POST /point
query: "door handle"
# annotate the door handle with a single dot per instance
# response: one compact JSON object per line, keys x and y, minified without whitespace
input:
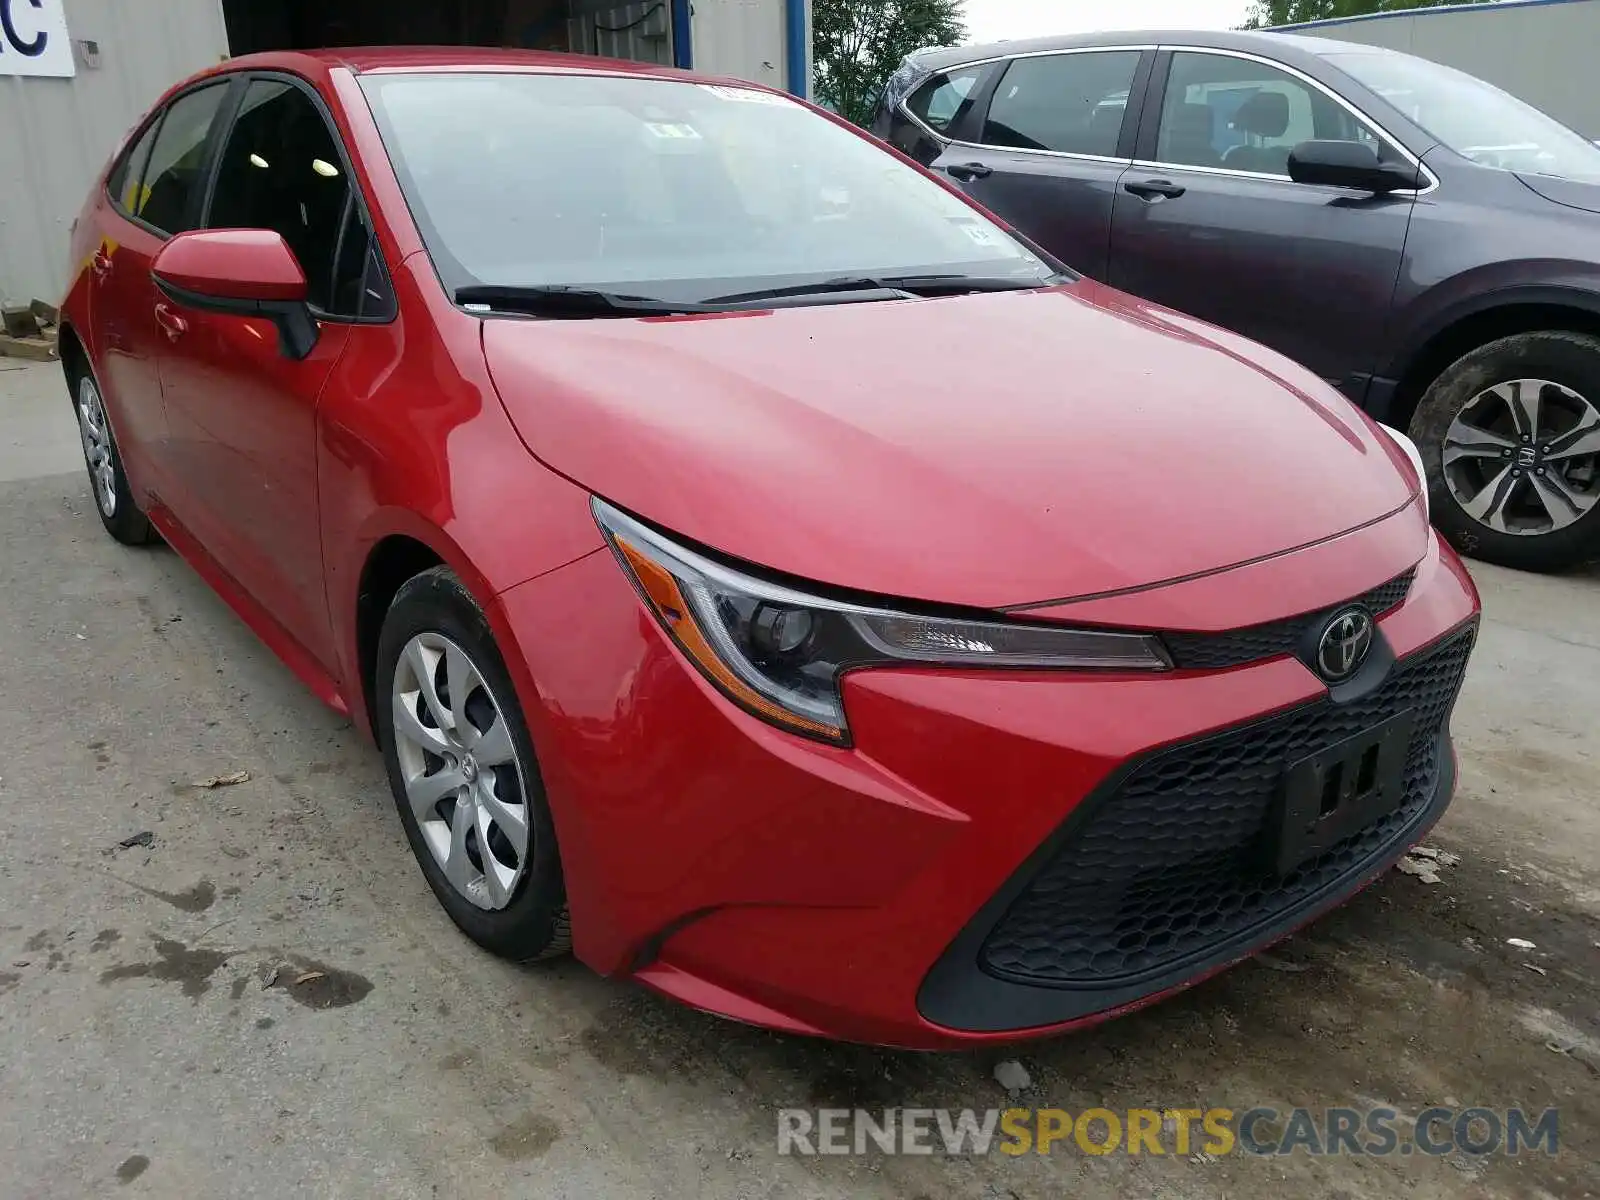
{"x":1155,"y":189}
{"x":100,"y":264}
{"x":174,"y":325}
{"x":967,"y":172}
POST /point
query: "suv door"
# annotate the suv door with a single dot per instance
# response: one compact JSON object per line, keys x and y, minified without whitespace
{"x":243,"y":414}
{"x":151,"y":193}
{"x":1051,"y":144}
{"x":1209,"y":222}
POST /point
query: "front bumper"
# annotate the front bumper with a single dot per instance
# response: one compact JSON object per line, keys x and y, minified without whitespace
{"x":910,"y":891}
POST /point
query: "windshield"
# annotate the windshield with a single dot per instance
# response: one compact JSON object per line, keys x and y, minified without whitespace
{"x":663,"y":188}
{"x":1475,"y":119}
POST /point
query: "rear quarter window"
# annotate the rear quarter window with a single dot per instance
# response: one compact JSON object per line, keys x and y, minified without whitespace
{"x":945,"y":99}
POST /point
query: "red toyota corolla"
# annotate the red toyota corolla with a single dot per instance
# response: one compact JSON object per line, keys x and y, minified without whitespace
{"x":761,"y":570}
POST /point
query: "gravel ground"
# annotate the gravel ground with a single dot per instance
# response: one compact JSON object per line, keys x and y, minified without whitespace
{"x":247,"y":990}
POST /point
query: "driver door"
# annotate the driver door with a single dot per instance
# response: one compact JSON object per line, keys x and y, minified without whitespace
{"x":243,"y":416}
{"x":1208,"y":222}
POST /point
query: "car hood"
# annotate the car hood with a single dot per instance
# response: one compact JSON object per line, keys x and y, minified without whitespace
{"x":994,"y":450}
{"x":1573,"y":193}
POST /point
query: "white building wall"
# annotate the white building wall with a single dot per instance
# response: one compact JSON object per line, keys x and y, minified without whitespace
{"x":1543,"y":51}
{"x":56,"y":134}
{"x":743,"y":38}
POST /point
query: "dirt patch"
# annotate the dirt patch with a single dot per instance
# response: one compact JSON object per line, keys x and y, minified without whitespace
{"x":197,"y":899}
{"x":192,"y":969}
{"x":527,"y":1137}
{"x":313,"y":984}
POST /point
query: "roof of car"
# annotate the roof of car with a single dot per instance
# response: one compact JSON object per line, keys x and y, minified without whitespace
{"x":372,"y":59}
{"x":1230,"y":39}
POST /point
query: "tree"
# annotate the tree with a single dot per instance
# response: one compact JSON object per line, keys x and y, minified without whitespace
{"x":1264,"y":13}
{"x":860,"y":43}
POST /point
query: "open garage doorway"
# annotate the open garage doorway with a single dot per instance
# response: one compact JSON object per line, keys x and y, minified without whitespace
{"x":651,"y":31}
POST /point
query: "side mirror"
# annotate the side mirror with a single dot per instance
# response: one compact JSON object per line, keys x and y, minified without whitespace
{"x":1351,"y":165}
{"x":244,"y":272}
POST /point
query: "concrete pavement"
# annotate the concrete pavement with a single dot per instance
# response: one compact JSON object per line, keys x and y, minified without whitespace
{"x":249,"y":991}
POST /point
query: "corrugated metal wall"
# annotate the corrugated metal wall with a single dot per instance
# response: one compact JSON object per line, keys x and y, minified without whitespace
{"x":744,"y":38}
{"x":638,"y":32}
{"x":55,"y":134}
{"x":1543,"y":52}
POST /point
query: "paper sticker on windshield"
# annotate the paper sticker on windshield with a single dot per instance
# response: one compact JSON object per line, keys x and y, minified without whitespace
{"x":979,"y":233}
{"x":746,"y":95}
{"x":675,"y":131}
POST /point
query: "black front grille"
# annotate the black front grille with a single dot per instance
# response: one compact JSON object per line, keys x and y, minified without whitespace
{"x":1169,"y":865}
{"x":1215,"y":651}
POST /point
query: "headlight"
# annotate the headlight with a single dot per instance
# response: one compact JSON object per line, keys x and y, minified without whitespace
{"x":1415,"y":455}
{"x":780,"y":653}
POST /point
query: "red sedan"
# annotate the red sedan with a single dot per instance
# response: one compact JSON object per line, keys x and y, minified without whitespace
{"x":763,"y":572}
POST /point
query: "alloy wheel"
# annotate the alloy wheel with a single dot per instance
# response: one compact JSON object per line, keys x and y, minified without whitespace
{"x":1523,"y":457}
{"x":96,"y":435}
{"x":462,"y":776}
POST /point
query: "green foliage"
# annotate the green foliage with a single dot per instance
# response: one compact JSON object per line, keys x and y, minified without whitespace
{"x":859,"y":43}
{"x":1264,"y":13}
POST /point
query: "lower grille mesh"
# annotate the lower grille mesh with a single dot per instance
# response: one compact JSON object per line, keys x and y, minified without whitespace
{"x":1169,"y":865}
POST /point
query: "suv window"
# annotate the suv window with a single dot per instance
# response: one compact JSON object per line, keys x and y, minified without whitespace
{"x":1245,"y":115}
{"x":945,"y":99}
{"x":128,"y":174}
{"x":176,"y":171}
{"x":280,"y":169}
{"x":1070,"y":103}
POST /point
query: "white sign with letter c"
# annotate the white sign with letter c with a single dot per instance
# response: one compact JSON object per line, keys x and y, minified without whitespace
{"x":33,"y":39}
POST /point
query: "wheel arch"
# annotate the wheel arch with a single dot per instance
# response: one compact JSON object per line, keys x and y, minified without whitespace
{"x":74,"y":355}
{"x":392,"y":561}
{"x":1463,"y":328}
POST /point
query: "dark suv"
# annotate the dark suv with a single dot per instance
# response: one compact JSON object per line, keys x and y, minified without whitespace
{"x":1422,"y":240}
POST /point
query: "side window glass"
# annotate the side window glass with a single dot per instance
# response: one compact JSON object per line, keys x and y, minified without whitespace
{"x":945,"y":99}
{"x":175,"y":174}
{"x":127,"y":177}
{"x":360,"y":284}
{"x":280,"y":169}
{"x":1070,"y":103}
{"x":1245,"y":116}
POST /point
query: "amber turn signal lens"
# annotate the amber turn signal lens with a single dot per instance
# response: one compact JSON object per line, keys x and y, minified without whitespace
{"x":673,"y":610}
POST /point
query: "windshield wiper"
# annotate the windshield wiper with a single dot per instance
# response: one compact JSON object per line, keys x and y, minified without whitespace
{"x":903,"y":287}
{"x":955,"y":285}
{"x":560,"y":300}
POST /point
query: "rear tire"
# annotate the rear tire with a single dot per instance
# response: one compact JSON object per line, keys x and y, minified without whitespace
{"x":1499,"y":433}
{"x":481,"y":831}
{"x":108,"y":482}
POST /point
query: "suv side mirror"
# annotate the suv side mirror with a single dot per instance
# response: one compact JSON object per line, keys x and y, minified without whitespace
{"x":245,"y":272}
{"x":1351,"y":165}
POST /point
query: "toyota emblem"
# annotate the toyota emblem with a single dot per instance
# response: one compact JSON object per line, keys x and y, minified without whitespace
{"x":1344,"y":645}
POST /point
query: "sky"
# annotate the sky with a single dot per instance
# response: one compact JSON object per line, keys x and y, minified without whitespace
{"x":993,"y":20}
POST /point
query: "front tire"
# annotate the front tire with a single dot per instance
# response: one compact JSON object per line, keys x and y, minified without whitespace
{"x":462,"y":769}
{"x":1510,"y":437}
{"x":108,"y":482}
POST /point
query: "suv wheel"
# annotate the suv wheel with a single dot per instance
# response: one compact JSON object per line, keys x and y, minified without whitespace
{"x":1510,"y":435}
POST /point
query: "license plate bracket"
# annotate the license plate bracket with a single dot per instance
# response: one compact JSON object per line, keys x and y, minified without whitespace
{"x":1336,"y":792}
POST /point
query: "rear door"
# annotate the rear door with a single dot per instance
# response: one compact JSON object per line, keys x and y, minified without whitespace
{"x":151,"y":194}
{"x":1050,"y":146}
{"x":1209,"y":222}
